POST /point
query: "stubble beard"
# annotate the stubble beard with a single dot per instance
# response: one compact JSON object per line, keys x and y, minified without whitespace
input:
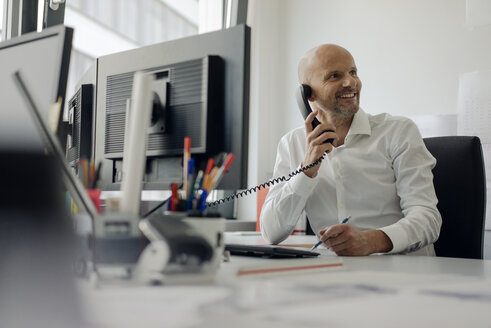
{"x":344,"y":112}
{"x":341,"y":114}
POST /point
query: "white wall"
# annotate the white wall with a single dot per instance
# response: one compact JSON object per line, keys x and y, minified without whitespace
{"x":264,"y":96}
{"x":409,"y":54}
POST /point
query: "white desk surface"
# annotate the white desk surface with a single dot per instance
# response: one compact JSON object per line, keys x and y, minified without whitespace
{"x":373,"y":291}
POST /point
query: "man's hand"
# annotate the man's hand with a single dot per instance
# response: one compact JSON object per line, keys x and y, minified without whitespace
{"x":315,"y":143}
{"x":345,"y":240}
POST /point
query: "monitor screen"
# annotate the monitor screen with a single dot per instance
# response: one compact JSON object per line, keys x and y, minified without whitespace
{"x":43,"y":59}
{"x":201,"y":90}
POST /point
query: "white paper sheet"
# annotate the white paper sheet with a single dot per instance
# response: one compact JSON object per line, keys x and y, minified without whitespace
{"x":477,"y":13}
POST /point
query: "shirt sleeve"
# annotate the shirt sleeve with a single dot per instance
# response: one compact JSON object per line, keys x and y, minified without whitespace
{"x":286,"y":201}
{"x":412,"y":163}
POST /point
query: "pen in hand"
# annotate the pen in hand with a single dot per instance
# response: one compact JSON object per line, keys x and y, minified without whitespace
{"x":320,"y":242}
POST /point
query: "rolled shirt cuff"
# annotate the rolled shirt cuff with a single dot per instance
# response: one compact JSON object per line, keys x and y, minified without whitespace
{"x":397,"y":236}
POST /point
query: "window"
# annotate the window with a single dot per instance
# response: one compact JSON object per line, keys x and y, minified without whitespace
{"x":109,"y":26}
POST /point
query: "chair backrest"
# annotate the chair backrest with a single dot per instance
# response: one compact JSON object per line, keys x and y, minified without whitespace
{"x":460,"y":185}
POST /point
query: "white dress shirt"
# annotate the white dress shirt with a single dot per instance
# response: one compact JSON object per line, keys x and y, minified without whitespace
{"x":381,"y":177}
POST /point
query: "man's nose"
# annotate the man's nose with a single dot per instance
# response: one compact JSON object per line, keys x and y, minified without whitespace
{"x":349,"y":81}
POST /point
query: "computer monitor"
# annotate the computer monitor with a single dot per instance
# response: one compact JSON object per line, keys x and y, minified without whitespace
{"x":43,"y":59}
{"x":201,"y":90}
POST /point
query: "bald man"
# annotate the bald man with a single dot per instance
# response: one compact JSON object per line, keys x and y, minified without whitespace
{"x":377,"y":170}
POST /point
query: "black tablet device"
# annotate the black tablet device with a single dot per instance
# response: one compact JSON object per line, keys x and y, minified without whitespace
{"x":270,"y":251}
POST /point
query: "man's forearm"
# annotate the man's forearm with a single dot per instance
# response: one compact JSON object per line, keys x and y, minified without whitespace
{"x":279,"y":217}
{"x":380,"y":242}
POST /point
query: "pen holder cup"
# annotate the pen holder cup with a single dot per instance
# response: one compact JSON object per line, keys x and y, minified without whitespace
{"x":212,"y":229}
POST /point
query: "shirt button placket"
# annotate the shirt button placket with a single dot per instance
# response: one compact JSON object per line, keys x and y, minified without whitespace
{"x":339,"y":189}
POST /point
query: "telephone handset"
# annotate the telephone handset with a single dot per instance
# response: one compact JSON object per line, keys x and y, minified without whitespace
{"x":304,"y":92}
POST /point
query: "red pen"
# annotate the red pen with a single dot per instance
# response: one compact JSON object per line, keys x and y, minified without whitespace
{"x":174,"y":198}
{"x":186,"y":157}
{"x":228,"y":162}
{"x":223,"y":169}
{"x":209,"y":167}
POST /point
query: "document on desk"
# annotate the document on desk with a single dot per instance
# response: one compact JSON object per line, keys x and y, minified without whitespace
{"x":265,"y":267}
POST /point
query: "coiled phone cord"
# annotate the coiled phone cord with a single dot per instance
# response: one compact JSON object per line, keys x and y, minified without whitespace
{"x":265,"y":184}
{"x":252,"y":190}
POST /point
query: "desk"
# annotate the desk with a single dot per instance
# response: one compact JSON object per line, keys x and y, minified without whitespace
{"x":378,"y":291}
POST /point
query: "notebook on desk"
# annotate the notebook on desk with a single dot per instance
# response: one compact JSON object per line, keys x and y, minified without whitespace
{"x":269,"y":251}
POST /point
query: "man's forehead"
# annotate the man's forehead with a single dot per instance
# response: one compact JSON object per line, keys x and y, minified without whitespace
{"x":333,"y":57}
{"x":329,"y":57}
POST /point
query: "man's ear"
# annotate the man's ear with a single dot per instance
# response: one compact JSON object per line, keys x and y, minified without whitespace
{"x":311,"y":98}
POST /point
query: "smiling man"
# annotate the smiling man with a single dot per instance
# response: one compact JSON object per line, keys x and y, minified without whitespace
{"x":377,"y":171}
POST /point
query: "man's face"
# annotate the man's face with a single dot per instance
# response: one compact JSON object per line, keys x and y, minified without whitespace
{"x":336,"y":84}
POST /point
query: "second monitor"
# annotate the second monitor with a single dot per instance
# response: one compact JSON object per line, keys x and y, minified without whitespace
{"x":201,"y":91}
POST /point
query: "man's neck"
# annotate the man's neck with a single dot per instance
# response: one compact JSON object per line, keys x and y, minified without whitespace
{"x":342,"y":124}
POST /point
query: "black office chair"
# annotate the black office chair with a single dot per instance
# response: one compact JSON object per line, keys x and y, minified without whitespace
{"x":460,"y":185}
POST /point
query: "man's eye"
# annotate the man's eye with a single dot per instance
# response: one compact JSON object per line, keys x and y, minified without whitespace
{"x":353,"y":73}
{"x":333,"y":76}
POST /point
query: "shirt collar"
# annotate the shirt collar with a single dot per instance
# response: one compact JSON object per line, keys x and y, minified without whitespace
{"x":360,"y":124}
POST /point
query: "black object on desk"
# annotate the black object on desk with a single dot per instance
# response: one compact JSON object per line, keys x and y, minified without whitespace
{"x":270,"y":251}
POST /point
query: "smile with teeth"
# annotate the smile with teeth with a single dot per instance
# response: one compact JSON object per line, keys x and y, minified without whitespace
{"x":347,"y":95}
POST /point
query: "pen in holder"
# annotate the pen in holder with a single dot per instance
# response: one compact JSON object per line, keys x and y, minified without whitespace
{"x":197,"y":182}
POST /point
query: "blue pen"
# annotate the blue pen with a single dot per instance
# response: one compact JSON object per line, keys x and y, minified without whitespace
{"x":202,"y":200}
{"x":189,"y":197}
{"x":320,"y":242}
